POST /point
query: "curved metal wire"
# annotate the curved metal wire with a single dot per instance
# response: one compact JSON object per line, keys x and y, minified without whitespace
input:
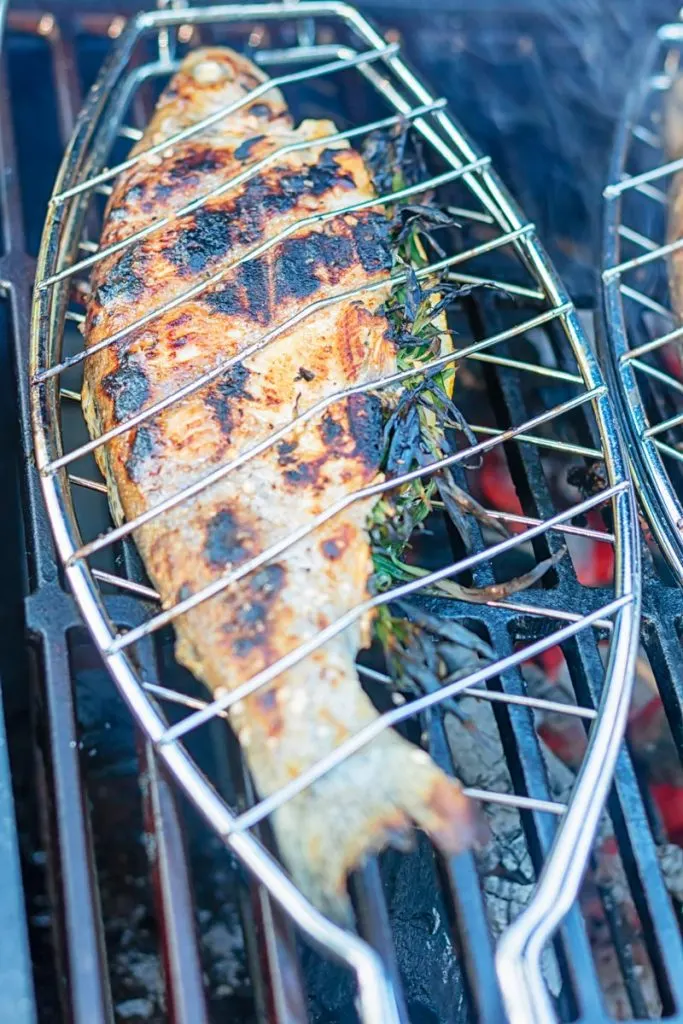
{"x":81,"y":177}
{"x":640,"y":329}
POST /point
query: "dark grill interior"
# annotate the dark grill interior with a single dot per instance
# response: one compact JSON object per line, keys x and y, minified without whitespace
{"x":135,"y":909}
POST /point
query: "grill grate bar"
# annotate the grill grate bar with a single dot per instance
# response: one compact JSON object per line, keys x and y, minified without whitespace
{"x":49,"y":614}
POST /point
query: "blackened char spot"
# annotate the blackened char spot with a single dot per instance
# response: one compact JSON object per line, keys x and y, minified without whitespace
{"x":268,"y":581}
{"x":243,"y":644}
{"x":123,"y":281}
{"x":243,"y":151}
{"x":268,"y":700}
{"x":210,"y":234}
{"x":365,"y":422}
{"x":208,"y":238}
{"x":284,"y":452}
{"x":246,"y":293}
{"x":299,"y":258}
{"x":371,"y":235}
{"x":304,"y":473}
{"x":134,"y":193}
{"x":331,"y":549}
{"x":140,"y":450}
{"x":222,"y":545}
{"x":252,"y":614}
{"x":330,"y":429}
{"x":181,"y":320}
{"x":312,"y":181}
{"x":222,"y":394}
{"x":127,"y":386}
{"x":200,"y":160}
{"x":250,"y":621}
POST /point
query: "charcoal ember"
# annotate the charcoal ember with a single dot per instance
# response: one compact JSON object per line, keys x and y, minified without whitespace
{"x":671,"y":864}
{"x":508,"y":876}
{"x":504,"y":863}
{"x":432,"y":981}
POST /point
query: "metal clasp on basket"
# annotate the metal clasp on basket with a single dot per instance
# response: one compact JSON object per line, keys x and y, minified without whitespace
{"x":168,"y":37}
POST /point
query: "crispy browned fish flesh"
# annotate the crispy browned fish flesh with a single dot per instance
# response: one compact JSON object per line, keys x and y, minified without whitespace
{"x":372,"y":798}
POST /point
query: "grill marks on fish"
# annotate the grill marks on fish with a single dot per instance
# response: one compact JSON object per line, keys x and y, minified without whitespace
{"x":305,"y":712}
{"x":127,"y":386}
{"x":222,"y":395}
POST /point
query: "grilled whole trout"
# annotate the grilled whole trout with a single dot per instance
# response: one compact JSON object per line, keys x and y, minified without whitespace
{"x":373,"y":797}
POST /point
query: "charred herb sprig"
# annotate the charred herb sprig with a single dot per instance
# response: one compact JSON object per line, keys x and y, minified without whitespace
{"x":415,"y":433}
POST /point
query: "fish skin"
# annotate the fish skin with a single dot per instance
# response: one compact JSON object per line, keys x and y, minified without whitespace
{"x":373,"y":797}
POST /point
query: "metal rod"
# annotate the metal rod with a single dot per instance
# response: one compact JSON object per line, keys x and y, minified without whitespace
{"x":651,"y":346}
{"x":167,"y":616}
{"x":222,"y":367}
{"x":233,"y":183}
{"x":543,"y":442}
{"x":630,"y":181}
{"x":493,"y":696}
{"x":315,"y":410}
{"x":645,"y":300}
{"x":519,"y":364}
{"x":660,"y":375}
{"x":503,"y":286}
{"x":579,"y":531}
{"x":397,"y":715}
{"x":219,"y":115}
{"x":646,"y":257}
{"x":668,"y":424}
{"x":637,"y":238}
{"x":125,"y":584}
{"x":321,"y":217}
{"x":646,"y":136}
{"x":337,"y":626}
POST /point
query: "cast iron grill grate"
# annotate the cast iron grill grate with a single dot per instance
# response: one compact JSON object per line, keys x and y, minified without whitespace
{"x":506,"y":623}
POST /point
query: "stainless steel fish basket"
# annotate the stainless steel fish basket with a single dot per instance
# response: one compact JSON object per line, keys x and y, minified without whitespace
{"x":642,"y":334}
{"x":535,"y":344}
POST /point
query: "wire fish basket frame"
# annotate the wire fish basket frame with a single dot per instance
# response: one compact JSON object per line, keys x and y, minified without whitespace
{"x":65,"y":254}
{"x":628,"y":249}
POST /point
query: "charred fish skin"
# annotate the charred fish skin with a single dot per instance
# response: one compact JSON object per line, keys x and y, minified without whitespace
{"x":374,"y":796}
